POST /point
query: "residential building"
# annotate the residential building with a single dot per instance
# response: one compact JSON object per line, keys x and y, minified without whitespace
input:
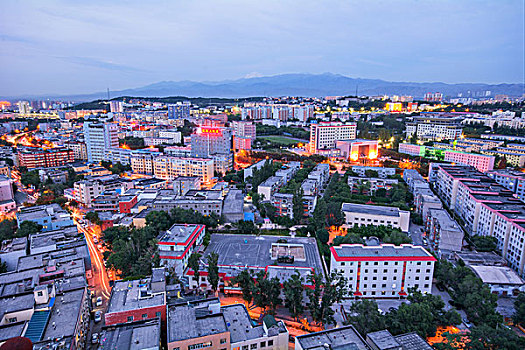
{"x":281,"y":178}
{"x":50,"y":158}
{"x":510,"y":179}
{"x":79,"y":150}
{"x":364,"y":215}
{"x":481,"y":162}
{"x":513,"y":157}
{"x":381,"y":172}
{"x":116,"y":106}
{"x":99,"y":138}
{"x":176,"y":245}
{"x":136,"y":300}
{"x":183,"y":184}
{"x":50,"y":216}
{"x":501,"y":280}
{"x":178,"y":151}
{"x":384,"y":271}
{"x":383,"y":340}
{"x":248,"y":172}
{"x":169,"y":168}
{"x":180,"y":110}
{"x":7,"y":202}
{"x":323,"y":136}
{"x":85,"y":191}
{"x":444,"y":234}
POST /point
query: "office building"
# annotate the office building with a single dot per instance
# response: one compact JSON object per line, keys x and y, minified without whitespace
{"x":323,"y":136}
{"x":384,"y":271}
{"x":356,"y":150}
{"x":99,"y":138}
{"x":435,"y":127}
{"x":169,"y":168}
{"x":364,"y":215}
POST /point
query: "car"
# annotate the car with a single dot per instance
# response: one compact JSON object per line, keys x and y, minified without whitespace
{"x":99,"y":247}
{"x":99,"y":301}
{"x":94,"y":338}
{"x":98,"y":316}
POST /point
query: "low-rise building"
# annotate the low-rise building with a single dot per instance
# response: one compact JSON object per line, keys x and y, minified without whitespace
{"x":384,"y":271}
{"x":176,"y":245}
{"x":384,"y":340}
{"x":345,"y":337}
{"x":135,"y":335}
{"x":50,"y":216}
{"x":501,"y":280}
{"x":381,"y":172}
{"x":135,"y":300}
{"x":444,"y":234}
{"x":363,"y":215}
{"x":510,"y":179}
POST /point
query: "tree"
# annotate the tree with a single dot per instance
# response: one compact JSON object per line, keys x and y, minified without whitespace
{"x":365,"y":316}
{"x":3,"y":266}
{"x":293,"y":293}
{"x":194,"y":264}
{"x":159,"y":220}
{"x":8,"y":229}
{"x":31,"y":178}
{"x":485,"y":243}
{"x":93,"y":217}
{"x":213,"y":270}
{"x":246,"y":227}
{"x":323,"y":235}
{"x":266,"y":292}
{"x":324,"y":294}
{"x":28,"y":228}
{"x":519,"y":309}
{"x":298,"y":206}
{"x":245,"y":281}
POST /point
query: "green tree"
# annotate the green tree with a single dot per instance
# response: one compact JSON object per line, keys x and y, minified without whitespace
{"x":485,"y":243}
{"x":323,"y":235}
{"x":245,"y":281}
{"x":324,"y":294}
{"x":246,"y":227}
{"x":28,"y":228}
{"x":213,"y":270}
{"x":194,"y":265}
{"x":298,"y":206}
{"x":93,"y":217}
{"x":364,"y":315}
{"x":266,"y":292}
{"x":519,"y":309}
{"x":3,"y":266}
{"x":31,"y":178}
{"x":159,"y":220}
{"x":8,"y":229}
{"x":293,"y":293}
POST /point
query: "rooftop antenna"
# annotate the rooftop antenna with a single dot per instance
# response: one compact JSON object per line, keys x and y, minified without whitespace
{"x":356,"y":87}
{"x":108,"y":94}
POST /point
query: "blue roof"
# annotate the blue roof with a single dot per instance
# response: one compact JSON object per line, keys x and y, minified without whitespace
{"x":249,"y":217}
{"x":37,"y":324}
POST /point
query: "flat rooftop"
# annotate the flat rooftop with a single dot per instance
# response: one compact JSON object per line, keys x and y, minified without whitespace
{"x":195,"y":319}
{"x":179,"y":233}
{"x":370,"y":209}
{"x":126,"y":295}
{"x":64,"y":314}
{"x":497,"y":275}
{"x":237,"y":252}
{"x":338,"y":338}
{"x":381,"y":252}
{"x":132,"y":336}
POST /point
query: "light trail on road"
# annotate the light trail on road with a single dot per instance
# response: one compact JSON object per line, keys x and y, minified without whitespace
{"x":101,"y":269}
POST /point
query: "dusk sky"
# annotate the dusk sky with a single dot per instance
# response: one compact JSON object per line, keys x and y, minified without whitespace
{"x":70,"y":47}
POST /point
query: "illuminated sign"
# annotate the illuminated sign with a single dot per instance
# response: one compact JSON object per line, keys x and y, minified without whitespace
{"x":211,"y":131}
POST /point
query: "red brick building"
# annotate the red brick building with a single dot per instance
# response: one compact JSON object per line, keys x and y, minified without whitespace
{"x":49,"y":158}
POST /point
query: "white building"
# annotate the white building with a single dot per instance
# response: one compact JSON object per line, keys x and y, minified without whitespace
{"x":176,"y":245}
{"x":364,"y":215}
{"x":100,"y":137}
{"x":168,"y":168}
{"x":384,"y":271}
{"x":431,"y":127}
{"x":323,"y":136}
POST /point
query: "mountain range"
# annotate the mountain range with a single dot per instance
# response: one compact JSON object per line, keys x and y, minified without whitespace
{"x":308,"y":85}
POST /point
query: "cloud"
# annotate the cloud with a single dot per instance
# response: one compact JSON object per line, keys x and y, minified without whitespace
{"x":93,"y":62}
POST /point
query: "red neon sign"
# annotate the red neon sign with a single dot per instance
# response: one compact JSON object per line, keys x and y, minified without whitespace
{"x":211,"y":131}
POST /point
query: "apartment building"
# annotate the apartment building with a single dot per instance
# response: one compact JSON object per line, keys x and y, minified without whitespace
{"x":513,"y":157}
{"x":281,"y":178}
{"x":444,"y":234}
{"x":323,"y":136}
{"x":510,"y":179}
{"x":364,"y":215}
{"x":384,"y":271}
{"x":79,"y":150}
{"x":99,"y":138}
{"x":50,"y":216}
{"x":50,"y":158}
{"x":482,"y":162}
{"x":85,"y":191}
{"x":169,"y":168}
{"x":176,"y":245}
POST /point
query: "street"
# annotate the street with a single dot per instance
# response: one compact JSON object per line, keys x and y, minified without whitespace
{"x":415,"y":233}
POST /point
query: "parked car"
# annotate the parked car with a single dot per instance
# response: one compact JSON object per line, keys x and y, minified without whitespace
{"x":99,"y":301}
{"x":98,"y":316}
{"x":94,"y":338}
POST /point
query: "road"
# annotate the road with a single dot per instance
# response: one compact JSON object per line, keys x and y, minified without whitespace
{"x":415,"y":234}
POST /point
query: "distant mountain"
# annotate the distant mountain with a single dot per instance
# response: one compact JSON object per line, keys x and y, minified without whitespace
{"x":303,"y":85}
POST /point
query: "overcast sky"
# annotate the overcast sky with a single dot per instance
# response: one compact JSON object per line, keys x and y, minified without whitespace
{"x":69,"y":47}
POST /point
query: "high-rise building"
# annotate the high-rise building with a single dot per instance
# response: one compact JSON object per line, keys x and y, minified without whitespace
{"x":179,"y":110}
{"x":116,"y":106}
{"x":99,"y":138}
{"x":24,"y":107}
{"x":323,"y":136}
{"x":215,"y":143}
{"x":243,"y":134}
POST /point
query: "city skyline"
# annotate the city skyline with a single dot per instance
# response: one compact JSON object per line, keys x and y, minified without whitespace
{"x":87,"y":47}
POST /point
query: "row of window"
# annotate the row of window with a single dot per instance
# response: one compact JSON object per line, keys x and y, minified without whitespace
{"x":254,"y":346}
{"x":145,"y":316}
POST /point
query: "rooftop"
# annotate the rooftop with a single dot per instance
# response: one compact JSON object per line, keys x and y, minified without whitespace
{"x":338,"y":338}
{"x":497,"y":275}
{"x":404,"y":252}
{"x":371,"y":209}
{"x":179,"y":233}
{"x":64,"y":315}
{"x":133,"y":295}
{"x":132,"y":336}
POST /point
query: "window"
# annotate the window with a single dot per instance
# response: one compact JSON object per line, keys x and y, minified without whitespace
{"x":245,"y":347}
{"x":200,"y":345}
{"x":40,"y":293}
{"x":263,"y":344}
{"x":343,"y":263}
{"x":270,"y":342}
{"x":144,"y":315}
{"x":223,"y":340}
{"x":130,"y":318}
{"x":253,"y":346}
{"x":158,"y":314}
{"x":383,"y":286}
{"x":12,"y":320}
